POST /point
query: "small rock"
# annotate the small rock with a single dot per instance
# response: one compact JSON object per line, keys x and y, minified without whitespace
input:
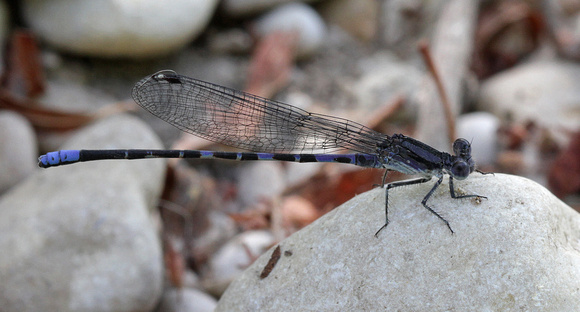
{"x":186,"y":300}
{"x":234,"y":257}
{"x":82,"y":237}
{"x":259,"y":181}
{"x":297,"y":17}
{"x":117,"y":28}
{"x":480,"y":129}
{"x":18,"y":149}
{"x":516,"y":250}
{"x":545,"y":93}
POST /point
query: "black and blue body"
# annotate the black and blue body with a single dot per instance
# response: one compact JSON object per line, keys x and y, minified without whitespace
{"x":275,"y":131}
{"x":64,"y":157}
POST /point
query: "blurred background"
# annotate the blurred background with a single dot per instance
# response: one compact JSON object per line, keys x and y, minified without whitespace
{"x":502,"y":74}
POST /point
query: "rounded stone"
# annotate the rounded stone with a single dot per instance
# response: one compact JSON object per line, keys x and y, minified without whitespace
{"x":516,"y":250}
{"x":118,"y":28}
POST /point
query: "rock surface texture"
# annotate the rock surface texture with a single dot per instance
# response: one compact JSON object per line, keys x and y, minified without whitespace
{"x":118,"y":28}
{"x":82,"y":237}
{"x":517,"y":250}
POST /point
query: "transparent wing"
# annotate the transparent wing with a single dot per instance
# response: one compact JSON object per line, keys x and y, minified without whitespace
{"x":246,"y":121}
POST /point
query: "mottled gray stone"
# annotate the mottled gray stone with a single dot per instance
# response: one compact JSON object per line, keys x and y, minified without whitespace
{"x":82,"y":237}
{"x":517,"y":250}
{"x":111,"y":28}
{"x":545,"y":93}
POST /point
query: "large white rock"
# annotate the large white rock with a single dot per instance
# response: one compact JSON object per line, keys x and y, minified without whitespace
{"x":83,"y":237}
{"x":517,"y":250}
{"x":118,"y":28}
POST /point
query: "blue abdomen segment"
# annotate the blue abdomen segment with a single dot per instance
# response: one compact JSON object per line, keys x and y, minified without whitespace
{"x":58,"y":158}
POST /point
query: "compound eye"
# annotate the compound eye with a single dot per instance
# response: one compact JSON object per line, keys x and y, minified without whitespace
{"x":460,"y":170}
{"x":461,"y":147}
